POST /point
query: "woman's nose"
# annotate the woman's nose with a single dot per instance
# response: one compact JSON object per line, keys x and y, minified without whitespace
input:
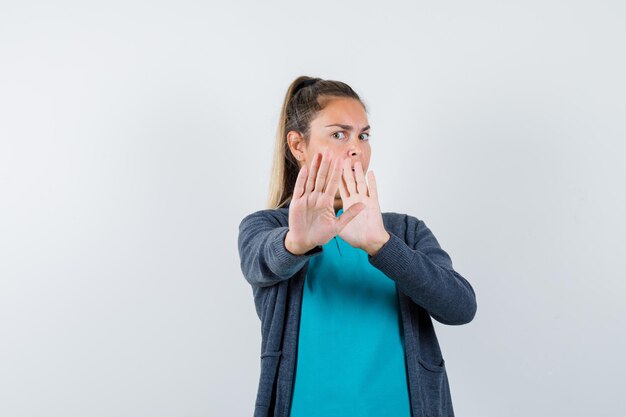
{"x":354,"y":149}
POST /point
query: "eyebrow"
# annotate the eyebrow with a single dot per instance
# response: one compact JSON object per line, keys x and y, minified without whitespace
{"x":348,"y":127}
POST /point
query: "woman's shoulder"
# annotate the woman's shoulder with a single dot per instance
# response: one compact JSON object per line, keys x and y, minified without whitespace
{"x":404,"y":225}
{"x":277,"y":216}
{"x":395,"y":217}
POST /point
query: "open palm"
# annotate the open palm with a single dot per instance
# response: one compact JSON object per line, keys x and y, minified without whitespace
{"x":312,"y":219}
{"x":367,"y":226}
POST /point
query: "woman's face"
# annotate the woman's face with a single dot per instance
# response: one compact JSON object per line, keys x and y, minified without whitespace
{"x":342,"y":129}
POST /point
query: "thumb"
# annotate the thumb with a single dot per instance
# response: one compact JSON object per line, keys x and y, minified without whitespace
{"x":350,"y":214}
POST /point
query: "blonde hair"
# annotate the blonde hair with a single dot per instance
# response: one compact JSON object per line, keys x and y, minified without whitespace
{"x":305,"y":97}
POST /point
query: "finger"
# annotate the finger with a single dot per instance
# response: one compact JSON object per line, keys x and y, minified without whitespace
{"x":361,"y":186}
{"x":348,"y":176}
{"x":372,"y":187}
{"x":343,"y":190}
{"x":333,"y":180}
{"x":349,"y":214}
{"x":322,"y":173}
{"x":310,"y":183}
{"x":298,"y":189}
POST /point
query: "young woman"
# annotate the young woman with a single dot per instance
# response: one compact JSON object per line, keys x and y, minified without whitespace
{"x":345,"y":293}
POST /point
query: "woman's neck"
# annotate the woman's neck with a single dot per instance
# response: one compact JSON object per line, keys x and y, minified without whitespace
{"x":338,"y":204}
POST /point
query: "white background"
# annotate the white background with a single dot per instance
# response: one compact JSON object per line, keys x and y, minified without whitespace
{"x":135,"y":135}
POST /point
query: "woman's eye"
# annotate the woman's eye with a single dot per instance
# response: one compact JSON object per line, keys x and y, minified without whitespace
{"x":363,"y":136}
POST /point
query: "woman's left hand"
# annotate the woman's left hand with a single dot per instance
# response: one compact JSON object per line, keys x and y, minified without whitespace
{"x":366,"y":231}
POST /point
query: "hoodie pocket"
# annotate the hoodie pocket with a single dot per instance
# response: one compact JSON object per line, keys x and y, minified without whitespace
{"x":267,"y":378}
{"x":432,"y":385}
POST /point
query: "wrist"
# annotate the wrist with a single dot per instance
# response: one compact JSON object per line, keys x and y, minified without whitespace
{"x":373,"y":248}
{"x":292,"y":247}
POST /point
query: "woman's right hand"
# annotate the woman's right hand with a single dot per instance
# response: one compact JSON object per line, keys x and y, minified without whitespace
{"x":312,"y":218}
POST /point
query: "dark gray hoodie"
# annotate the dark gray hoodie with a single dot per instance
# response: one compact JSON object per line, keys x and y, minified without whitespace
{"x":426,"y":283}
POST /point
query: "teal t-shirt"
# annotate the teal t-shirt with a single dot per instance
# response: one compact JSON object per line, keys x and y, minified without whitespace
{"x":350,"y":358}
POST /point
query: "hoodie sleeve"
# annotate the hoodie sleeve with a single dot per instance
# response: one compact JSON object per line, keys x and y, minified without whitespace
{"x":425,"y":274}
{"x":264,"y":259}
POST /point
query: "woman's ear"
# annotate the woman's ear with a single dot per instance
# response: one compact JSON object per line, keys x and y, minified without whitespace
{"x":296,"y":144}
